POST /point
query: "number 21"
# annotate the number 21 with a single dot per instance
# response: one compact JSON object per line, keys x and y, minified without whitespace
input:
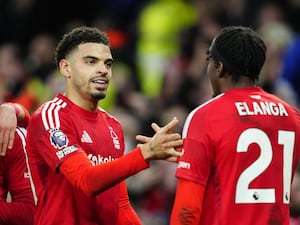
{"x":244,"y":194}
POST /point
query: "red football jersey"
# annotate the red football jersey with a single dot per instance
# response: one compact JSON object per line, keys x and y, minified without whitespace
{"x":243,"y":146}
{"x":15,"y":184}
{"x":57,"y":130}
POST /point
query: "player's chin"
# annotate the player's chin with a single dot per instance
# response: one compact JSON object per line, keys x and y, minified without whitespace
{"x":99,"y":95}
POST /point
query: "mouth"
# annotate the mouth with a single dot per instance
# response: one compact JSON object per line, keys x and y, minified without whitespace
{"x":100,"y":83}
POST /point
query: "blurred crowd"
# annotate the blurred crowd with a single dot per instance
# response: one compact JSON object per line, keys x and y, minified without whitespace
{"x":159,"y":49}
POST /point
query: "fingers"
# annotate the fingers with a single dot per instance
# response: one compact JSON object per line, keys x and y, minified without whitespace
{"x":163,"y":144}
{"x":7,"y":138}
{"x":169,"y":127}
{"x":3,"y":149}
{"x":11,"y":138}
{"x":155,"y":127}
{"x":175,"y":143}
{"x":169,"y":138}
{"x":175,"y":154}
{"x":142,"y":138}
{"x":2,"y":145}
{"x":172,"y":159}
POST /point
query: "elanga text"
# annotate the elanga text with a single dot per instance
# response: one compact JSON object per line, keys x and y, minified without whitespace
{"x":261,"y":108}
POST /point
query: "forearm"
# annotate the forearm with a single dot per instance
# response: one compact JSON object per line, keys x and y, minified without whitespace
{"x":188,"y":203}
{"x":95,"y":179}
{"x":16,"y":213}
{"x":127,"y":215}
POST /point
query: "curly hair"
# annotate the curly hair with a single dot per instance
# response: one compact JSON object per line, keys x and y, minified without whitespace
{"x":79,"y":36}
{"x":241,"y":51}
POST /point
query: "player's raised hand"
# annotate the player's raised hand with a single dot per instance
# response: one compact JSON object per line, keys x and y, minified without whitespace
{"x":163,"y":144}
{"x":156,"y":128}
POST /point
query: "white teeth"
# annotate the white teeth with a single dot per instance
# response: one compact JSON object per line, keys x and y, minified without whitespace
{"x":99,"y":81}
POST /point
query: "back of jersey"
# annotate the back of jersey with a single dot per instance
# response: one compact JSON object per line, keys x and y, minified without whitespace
{"x":243,"y":147}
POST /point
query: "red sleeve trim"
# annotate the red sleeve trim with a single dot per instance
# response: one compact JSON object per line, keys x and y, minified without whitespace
{"x":25,"y":120}
{"x":94,"y":179}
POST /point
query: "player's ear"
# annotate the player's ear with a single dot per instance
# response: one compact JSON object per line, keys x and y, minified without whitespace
{"x":64,"y":67}
{"x":220,"y":68}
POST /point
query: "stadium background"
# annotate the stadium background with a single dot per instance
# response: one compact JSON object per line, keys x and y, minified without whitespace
{"x":159,"y":51}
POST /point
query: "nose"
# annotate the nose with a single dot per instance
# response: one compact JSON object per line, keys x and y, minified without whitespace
{"x":102,"y":68}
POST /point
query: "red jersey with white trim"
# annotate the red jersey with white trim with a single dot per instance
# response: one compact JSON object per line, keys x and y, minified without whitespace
{"x":15,"y":183}
{"x":57,"y":130}
{"x":243,"y":146}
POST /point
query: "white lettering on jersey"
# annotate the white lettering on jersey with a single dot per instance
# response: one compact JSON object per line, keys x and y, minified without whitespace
{"x":62,"y":153}
{"x":261,"y":108}
{"x":98,"y":159}
{"x":184,"y":165}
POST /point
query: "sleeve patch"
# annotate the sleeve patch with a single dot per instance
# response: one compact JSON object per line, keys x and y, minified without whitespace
{"x":58,"y":139}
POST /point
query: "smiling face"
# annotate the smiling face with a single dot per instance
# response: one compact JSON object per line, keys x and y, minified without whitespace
{"x":88,"y":70}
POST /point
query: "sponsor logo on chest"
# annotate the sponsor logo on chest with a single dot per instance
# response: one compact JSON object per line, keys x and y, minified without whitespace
{"x":99,"y":159}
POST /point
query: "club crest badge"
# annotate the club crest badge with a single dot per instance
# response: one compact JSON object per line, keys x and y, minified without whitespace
{"x":58,"y":139}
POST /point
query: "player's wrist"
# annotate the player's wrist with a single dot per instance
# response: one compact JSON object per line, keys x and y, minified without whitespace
{"x":146,"y":151}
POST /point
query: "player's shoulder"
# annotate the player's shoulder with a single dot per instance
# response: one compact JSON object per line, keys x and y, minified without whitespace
{"x":286,"y":104}
{"x":204,"y":112}
{"x":55,"y":105}
{"x":53,"y":110}
{"x":208,"y":106}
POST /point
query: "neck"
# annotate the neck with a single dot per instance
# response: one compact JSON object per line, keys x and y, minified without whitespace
{"x":90,"y":104}
{"x":243,"y":82}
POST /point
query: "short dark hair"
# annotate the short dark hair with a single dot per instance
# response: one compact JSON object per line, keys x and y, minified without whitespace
{"x":241,"y":51}
{"x":79,"y":36}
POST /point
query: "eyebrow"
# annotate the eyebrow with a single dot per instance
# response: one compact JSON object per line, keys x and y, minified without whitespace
{"x":96,"y":58}
{"x":109,"y":60}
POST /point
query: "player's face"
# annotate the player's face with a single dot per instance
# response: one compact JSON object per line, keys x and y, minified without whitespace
{"x":91,"y":70}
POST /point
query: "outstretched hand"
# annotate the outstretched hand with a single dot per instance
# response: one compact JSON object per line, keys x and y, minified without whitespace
{"x":163,"y":144}
{"x":156,"y":128}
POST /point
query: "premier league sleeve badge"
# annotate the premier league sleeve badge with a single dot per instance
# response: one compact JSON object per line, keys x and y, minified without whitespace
{"x":58,"y":139}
